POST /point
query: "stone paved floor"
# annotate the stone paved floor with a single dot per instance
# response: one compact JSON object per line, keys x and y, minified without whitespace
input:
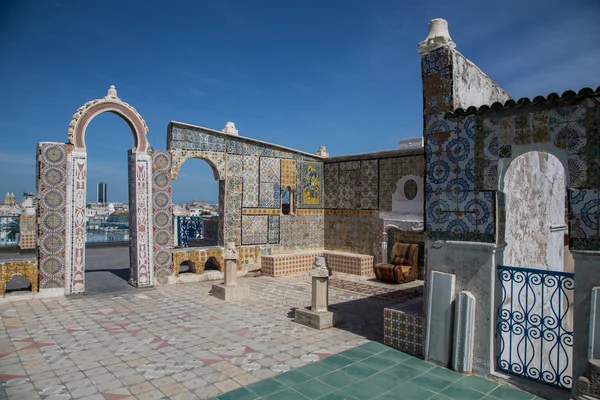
{"x":178,"y":342}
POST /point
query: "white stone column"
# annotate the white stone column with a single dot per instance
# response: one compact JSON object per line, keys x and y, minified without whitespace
{"x":439,"y":325}
{"x":464,"y":332}
{"x":140,"y":220}
{"x":76,"y":223}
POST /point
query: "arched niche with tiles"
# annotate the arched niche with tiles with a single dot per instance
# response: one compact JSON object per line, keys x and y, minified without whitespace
{"x":69,"y":258}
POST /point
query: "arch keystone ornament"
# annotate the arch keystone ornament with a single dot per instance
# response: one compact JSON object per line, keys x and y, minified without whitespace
{"x":109,"y":103}
{"x":140,"y":191}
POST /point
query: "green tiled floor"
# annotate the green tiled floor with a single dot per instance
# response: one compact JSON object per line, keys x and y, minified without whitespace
{"x":374,"y":371}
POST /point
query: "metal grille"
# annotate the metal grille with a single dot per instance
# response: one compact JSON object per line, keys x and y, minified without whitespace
{"x":189,"y":228}
{"x":9,"y":230}
{"x":534,"y":325}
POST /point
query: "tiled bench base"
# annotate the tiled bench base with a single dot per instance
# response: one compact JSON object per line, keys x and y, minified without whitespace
{"x":403,"y":328}
{"x":289,"y":264}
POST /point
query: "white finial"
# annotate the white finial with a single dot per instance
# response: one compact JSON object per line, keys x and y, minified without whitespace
{"x":230,"y":129}
{"x":437,"y":36}
{"x":322,"y":152}
{"x":112,"y":92}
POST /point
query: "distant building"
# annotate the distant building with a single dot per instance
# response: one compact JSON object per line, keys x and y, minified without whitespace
{"x":101,"y":193}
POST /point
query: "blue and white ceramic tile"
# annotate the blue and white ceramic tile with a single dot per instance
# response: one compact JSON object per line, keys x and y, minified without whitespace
{"x":577,"y":171}
{"x":584,"y":227}
{"x":270,"y":194}
{"x":274,"y":229}
{"x":439,"y":171}
{"x":460,"y":151}
{"x":270,"y":169}
{"x":566,"y":114}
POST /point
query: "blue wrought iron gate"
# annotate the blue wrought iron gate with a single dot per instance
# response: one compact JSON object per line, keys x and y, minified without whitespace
{"x":535,"y":325}
{"x":189,"y":228}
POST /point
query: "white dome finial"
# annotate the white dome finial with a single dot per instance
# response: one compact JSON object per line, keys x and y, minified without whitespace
{"x":437,"y":36}
{"x":230,"y":129}
{"x":112,"y":92}
{"x":322,"y":152}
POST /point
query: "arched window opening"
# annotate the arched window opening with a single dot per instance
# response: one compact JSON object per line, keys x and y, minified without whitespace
{"x":286,"y":201}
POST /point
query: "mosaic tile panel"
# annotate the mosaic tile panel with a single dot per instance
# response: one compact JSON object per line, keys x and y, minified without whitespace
{"x":288,"y":173}
{"x":270,"y":195}
{"x":270,"y":170}
{"x":403,"y":330}
{"x":437,"y":81}
{"x":140,"y":195}
{"x":301,"y":230}
{"x":51,"y":210}
{"x":330,"y":181}
{"x":189,"y":138}
{"x":310,"y":189}
{"x":273,"y":235}
{"x":251,"y":184}
{"x":584,"y":217}
{"x":254,"y":229}
{"x":162,"y":212}
{"x":354,"y":231}
{"x":233,"y":218}
{"x":392,"y":169}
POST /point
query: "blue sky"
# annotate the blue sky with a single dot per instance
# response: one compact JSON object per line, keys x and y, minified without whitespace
{"x":340,"y":73}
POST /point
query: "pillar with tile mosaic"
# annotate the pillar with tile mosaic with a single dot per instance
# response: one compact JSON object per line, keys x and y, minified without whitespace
{"x":162,"y":214}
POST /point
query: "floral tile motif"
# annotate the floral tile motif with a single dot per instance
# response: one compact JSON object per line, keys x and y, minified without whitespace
{"x":349,"y":165}
{"x":490,"y":147}
{"x":235,"y":165}
{"x":310,"y":192}
{"x":506,"y":130}
{"x":577,"y":172}
{"x":403,"y":331}
{"x":505,"y":151}
{"x":439,"y":171}
{"x":466,"y":127}
{"x":332,"y":189}
{"x":254,"y":229}
{"x":369,"y":171}
{"x":368,"y":197}
{"x":541,"y":133}
{"x":581,"y":198}
{"x":270,"y":170}
{"x":522,"y":129}
{"x":441,"y":209}
{"x":270,"y":195}
{"x":234,"y":185}
{"x":436,"y":61}
{"x":273,"y":229}
{"x":560,"y":115}
{"x":250,"y":179}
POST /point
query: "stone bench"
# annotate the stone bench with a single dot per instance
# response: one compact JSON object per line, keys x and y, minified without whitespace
{"x":294,"y":263}
{"x":196,"y":258}
{"x":26,"y":269}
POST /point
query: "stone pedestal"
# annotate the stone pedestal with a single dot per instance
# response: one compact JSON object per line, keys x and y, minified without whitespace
{"x":230,"y":290}
{"x":318,"y":316}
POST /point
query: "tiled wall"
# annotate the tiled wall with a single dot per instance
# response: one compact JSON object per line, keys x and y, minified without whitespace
{"x":254,"y":176}
{"x":51,"y":210}
{"x":403,"y":331}
{"x":162,"y":215}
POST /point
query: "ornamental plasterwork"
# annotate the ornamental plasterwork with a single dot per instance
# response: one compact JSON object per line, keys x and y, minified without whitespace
{"x":111,"y":97}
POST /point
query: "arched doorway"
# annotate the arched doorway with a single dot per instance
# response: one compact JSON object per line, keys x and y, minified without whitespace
{"x":196,"y":204}
{"x":534,"y":187}
{"x":535,"y":310}
{"x":140,"y":206}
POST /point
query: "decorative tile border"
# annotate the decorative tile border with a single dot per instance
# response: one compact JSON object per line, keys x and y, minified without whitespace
{"x":162,"y":214}
{"x":261,"y":211}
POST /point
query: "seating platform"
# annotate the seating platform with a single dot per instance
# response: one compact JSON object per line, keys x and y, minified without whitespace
{"x":294,"y":263}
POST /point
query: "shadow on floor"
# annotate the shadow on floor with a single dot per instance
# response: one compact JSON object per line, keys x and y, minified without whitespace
{"x":364,"y":317}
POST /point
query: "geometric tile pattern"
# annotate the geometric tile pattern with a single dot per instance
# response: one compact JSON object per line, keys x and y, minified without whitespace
{"x":403,"y":330}
{"x":270,"y":194}
{"x":437,"y":81}
{"x":584,"y":221}
{"x":330,"y":181}
{"x":250,"y":191}
{"x":195,"y":139}
{"x":162,"y":212}
{"x":274,"y":229}
{"x":270,"y":169}
{"x":254,"y":229}
{"x":301,"y":230}
{"x":391,"y":170}
{"x":288,"y":173}
{"x":354,"y":232}
{"x":310,"y":189}
{"x":51,"y":210}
